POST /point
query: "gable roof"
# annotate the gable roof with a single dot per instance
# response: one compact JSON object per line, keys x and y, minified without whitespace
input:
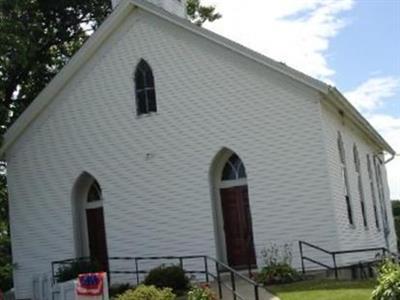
{"x":116,"y":18}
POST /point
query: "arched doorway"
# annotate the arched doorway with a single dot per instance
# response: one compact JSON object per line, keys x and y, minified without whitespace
{"x":90,"y":233}
{"x":232,"y":211}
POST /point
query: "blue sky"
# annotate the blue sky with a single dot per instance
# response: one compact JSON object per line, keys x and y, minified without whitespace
{"x":352,"y":44}
{"x":369,"y":45}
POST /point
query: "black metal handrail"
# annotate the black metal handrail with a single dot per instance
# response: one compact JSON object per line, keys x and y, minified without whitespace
{"x":395,"y":256}
{"x":206,"y":261}
{"x":333,"y":254}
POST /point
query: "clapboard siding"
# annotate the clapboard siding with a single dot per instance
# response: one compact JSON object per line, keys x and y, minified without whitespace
{"x":154,"y":170}
{"x":357,"y":236}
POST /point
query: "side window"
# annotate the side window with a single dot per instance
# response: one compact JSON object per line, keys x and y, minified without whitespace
{"x":357,"y":166}
{"x":372,"y":186}
{"x":345,"y":179}
{"x":144,"y":89}
{"x":381,"y":193}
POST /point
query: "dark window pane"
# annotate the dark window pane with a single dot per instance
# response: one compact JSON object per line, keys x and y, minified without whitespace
{"x":141,"y":103}
{"x":349,"y":212}
{"x":139,"y":80}
{"x":242,"y":171}
{"x":228,"y":173}
{"x":235,"y":161}
{"x":94,"y":193}
{"x":151,"y":98}
{"x":145,"y":92}
{"x":149,"y":80}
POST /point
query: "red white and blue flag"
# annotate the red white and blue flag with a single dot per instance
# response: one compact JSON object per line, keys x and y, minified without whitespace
{"x":90,"y":284}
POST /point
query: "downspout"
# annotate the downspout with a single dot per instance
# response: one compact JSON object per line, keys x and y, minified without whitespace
{"x":391,"y":158}
{"x":388,"y":160}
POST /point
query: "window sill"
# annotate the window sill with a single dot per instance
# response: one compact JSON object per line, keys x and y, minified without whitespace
{"x":352,"y":226}
{"x":148,"y":115}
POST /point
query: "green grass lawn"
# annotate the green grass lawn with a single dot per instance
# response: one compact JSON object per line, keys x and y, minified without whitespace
{"x":325,"y":290}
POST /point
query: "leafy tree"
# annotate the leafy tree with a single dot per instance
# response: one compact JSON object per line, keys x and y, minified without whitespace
{"x":200,"y":14}
{"x":37,"y":38}
{"x":396,"y":215}
{"x":5,"y":245}
{"x":396,"y":207}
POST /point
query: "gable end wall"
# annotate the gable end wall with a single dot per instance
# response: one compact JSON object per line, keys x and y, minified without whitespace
{"x":154,"y":170}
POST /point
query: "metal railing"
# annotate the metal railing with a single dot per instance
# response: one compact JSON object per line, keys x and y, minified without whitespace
{"x":334,"y":267}
{"x":221,"y":269}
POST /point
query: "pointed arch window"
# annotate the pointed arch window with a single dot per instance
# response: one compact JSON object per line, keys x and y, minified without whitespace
{"x":234,"y":169}
{"x":372,"y":187}
{"x":357,"y":165}
{"x":345,"y":178}
{"x":144,"y":89}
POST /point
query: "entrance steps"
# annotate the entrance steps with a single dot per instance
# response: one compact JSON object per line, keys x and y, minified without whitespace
{"x":244,"y":290}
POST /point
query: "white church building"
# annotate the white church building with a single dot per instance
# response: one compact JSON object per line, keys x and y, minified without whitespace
{"x":162,"y":138}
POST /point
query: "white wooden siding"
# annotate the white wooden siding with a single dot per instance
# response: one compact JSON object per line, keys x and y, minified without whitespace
{"x":357,"y":236}
{"x":154,"y":170}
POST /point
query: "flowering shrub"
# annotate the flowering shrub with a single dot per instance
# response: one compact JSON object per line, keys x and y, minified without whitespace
{"x":277,"y":269}
{"x":143,"y":292}
{"x":277,"y":273}
{"x":388,"y":282}
{"x":201,"y":293}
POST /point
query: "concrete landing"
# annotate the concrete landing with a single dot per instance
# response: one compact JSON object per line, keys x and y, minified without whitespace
{"x":244,"y":289}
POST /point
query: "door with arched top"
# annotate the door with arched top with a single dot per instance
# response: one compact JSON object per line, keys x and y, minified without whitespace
{"x":96,"y":232}
{"x":238,"y":229}
{"x":90,"y":231}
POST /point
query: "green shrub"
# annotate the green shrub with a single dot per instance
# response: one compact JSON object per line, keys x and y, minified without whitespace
{"x":143,"y":292}
{"x":118,"y":289}
{"x":71,"y":270}
{"x":277,"y":269}
{"x":277,"y":273}
{"x":168,"y":277}
{"x":388,"y":282}
{"x":201,"y":293}
{"x":396,"y":215}
{"x":6,"y":276}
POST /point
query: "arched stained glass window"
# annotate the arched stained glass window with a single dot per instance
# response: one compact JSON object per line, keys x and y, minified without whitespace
{"x":234,"y":169}
{"x":94,"y":193}
{"x":145,"y":90}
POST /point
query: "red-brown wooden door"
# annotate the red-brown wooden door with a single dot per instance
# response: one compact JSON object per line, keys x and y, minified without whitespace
{"x":237,"y":226}
{"x":97,"y":236}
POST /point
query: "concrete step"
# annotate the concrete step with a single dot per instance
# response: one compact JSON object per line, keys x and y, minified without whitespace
{"x":244,"y":290}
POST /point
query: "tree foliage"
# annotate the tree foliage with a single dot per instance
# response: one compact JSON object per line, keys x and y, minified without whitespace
{"x":388,"y":287}
{"x":200,"y":14}
{"x":396,"y":216}
{"x":5,"y":245}
{"x":37,"y":38}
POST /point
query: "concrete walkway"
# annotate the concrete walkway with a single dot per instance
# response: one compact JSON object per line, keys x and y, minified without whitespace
{"x":244,"y":289}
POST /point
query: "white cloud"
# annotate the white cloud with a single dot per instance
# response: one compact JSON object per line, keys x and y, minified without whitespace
{"x":295,"y":32}
{"x":298,"y":32}
{"x":370,"y":96}
{"x":372,"y":93}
